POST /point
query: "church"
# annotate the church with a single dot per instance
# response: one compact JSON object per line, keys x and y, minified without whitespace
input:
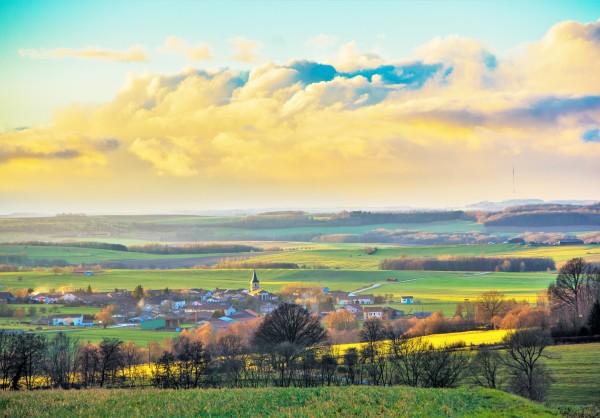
{"x":257,"y":292}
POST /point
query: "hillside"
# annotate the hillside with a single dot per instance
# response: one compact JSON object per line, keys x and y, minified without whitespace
{"x":272,"y":402}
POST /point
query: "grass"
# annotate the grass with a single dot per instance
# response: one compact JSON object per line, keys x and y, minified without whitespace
{"x":78,"y":255}
{"x":425,"y":284}
{"x":433,"y":290}
{"x":138,"y":336}
{"x":353,"y":257}
{"x":333,"y":256}
{"x":576,"y":370}
{"x":272,"y":402}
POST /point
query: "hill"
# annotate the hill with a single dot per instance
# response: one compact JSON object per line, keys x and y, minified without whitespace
{"x":273,"y":402}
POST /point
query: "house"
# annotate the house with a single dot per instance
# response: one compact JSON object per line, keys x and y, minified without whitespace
{"x":161,"y":323}
{"x":244,"y":316}
{"x":339,"y":297}
{"x":230,"y":311}
{"x":570,"y":241}
{"x":372,"y":312}
{"x":77,"y":297}
{"x":201,"y":293}
{"x":407,"y":300}
{"x":177,"y":303}
{"x":66,"y":320}
{"x":6,"y":297}
{"x":363,"y":299}
{"x":47,"y":298}
{"x":263,"y":295}
{"x":355,"y":309}
{"x":391,"y":313}
{"x":422,"y":315}
{"x":267,"y":307}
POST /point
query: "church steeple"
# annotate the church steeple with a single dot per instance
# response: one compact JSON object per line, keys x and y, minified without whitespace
{"x":254,"y":284}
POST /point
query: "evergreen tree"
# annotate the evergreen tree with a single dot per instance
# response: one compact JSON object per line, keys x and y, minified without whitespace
{"x":138,"y":292}
{"x":594,"y":318}
{"x":89,"y":289}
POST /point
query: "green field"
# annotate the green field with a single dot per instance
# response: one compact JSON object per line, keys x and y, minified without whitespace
{"x":576,"y":370}
{"x":353,"y":256}
{"x":432,"y":290}
{"x":272,"y":402}
{"x":78,"y":255}
{"x":313,"y":255}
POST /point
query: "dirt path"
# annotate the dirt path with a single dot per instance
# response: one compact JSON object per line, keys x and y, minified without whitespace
{"x":376,"y":285}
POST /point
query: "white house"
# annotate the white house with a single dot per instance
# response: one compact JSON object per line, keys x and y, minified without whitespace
{"x":230,"y":311}
{"x":407,"y":300}
{"x":177,"y":304}
{"x":373,"y":312}
{"x":364,"y":299}
{"x":66,"y":319}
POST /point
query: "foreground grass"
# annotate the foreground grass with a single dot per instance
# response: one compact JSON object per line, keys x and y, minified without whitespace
{"x":272,"y":402}
{"x":576,"y":370}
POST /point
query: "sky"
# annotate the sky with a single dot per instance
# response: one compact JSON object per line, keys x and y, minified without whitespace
{"x":161,"y":106}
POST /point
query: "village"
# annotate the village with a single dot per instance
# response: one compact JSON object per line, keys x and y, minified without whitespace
{"x":174,"y":309}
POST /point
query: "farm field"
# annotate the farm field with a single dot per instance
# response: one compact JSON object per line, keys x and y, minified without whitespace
{"x":439,"y":340}
{"x":432,"y":290}
{"x":314,"y":255}
{"x":354,"y":258}
{"x":78,"y":255}
{"x":576,"y":370}
{"x":272,"y":402}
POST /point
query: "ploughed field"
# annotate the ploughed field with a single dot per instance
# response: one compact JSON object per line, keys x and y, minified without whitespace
{"x":272,"y":402}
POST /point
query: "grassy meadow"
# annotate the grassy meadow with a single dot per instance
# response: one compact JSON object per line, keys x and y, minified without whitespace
{"x":272,"y":402}
{"x":432,"y":290}
{"x":576,"y":370}
{"x":311,"y":255}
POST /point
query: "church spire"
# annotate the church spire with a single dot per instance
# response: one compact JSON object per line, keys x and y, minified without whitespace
{"x":254,"y":284}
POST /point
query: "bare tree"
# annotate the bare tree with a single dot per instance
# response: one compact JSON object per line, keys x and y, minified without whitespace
{"x":110,"y":358}
{"x":573,"y":280}
{"x":524,"y":349}
{"x":489,"y":305}
{"x":408,"y":356}
{"x":61,"y":355}
{"x":290,"y":323}
{"x":373,"y":353}
{"x":443,"y":367}
{"x":486,"y":367}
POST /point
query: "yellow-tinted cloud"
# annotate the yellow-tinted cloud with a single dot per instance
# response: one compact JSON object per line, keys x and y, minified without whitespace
{"x":134,"y":53}
{"x":198,"y":52}
{"x":246,"y":50}
{"x":448,"y":124}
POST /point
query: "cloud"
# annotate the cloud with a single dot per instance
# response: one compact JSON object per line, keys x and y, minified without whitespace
{"x":136,"y":53}
{"x":21,"y":154}
{"x":246,"y":50}
{"x":445,"y":122}
{"x":349,"y":59}
{"x":322,"y":41}
{"x":592,"y":135}
{"x":198,"y":52}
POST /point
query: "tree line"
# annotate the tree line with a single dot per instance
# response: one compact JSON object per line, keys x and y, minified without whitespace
{"x":344,"y":218}
{"x":457,"y":263}
{"x":542,"y":215}
{"x":288,"y":348}
{"x":193,"y":248}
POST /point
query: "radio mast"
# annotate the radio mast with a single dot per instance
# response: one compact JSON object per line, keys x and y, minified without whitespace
{"x":513,"y":178}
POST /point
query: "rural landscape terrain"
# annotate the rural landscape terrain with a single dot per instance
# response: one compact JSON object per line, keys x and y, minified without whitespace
{"x":142,"y":283}
{"x":256,"y":208}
